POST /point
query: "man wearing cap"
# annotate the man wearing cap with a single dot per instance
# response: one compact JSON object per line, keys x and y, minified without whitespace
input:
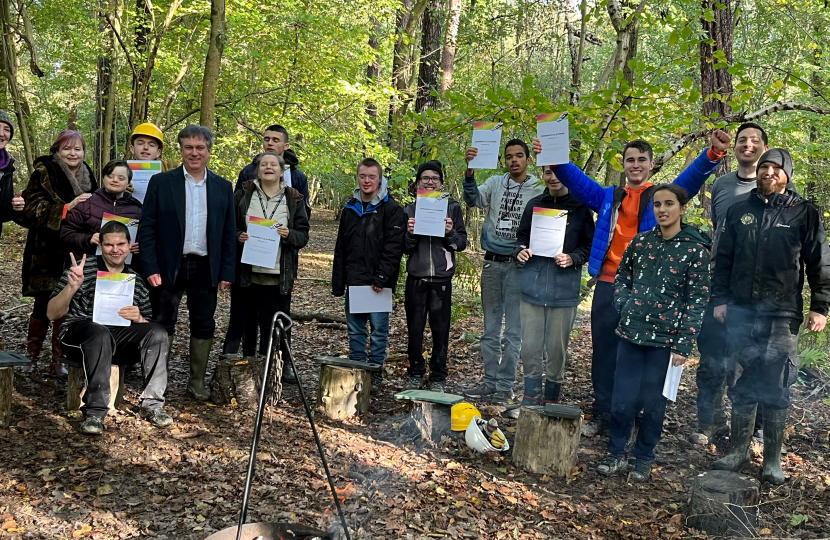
{"x":766,"y":244}
{"x":11,"y":203}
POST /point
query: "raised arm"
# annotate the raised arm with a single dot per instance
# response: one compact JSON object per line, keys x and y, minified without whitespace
{"x":695,"y":175}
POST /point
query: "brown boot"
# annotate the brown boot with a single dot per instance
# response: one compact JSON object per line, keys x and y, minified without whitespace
{"x":34,"y":340}
{"x":57,"y":369}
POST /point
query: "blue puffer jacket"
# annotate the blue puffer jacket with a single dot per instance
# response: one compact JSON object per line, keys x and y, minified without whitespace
{"x":606,"y":201}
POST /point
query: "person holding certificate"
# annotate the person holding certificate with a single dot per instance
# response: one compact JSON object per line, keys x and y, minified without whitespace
{"x":428,"y":294}
{"x":503,"y":198}
{"x":261,"y":290}
{"x":367,"y":260}
{"x":550,"y":284}
{"x":80,"y":230}
{"x":660,"y":292}
{"x":100,"y":346}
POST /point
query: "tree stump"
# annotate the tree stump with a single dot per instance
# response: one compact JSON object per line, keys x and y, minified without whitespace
{"x":343,"y":392}
{"x":724,"y":503}
{"x":76,"y":386}
{"x":546,"y":444}
{"x":432,"y":420}
{"x":6,"y":389}
{"x":237,"y":379}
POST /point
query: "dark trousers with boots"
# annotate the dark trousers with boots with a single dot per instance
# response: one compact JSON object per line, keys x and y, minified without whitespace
{"x":99,"y":347}
{"x":712,"y":371}
{"x":253,"y":305}
{"x":194,"y":279}
{"x":604,"y":344}
{"x":428,"y":300}
{"x":641,"y":373}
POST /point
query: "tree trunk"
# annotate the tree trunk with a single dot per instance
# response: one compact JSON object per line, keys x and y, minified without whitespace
{"x":577,"y":53}
{"x":342,"y":392}
{"x":715,"y":81}
{"x":545,"y":444}
{"x":450,"y":44}
{"x":142,"y":71}
{"x":105,"y":95}
{"x":724,"y":503}
{"x":213,"y":62}
{"x":430,"y":63}
{"x":21,"y":106}
{"x":372,"y":73}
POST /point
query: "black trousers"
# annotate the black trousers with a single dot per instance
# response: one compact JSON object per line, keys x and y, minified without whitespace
{"x":712,"y":371}
{"x":428,"y":300}
{"x":99,"y":347}
{"x":604,"y":343}
{"x":40,"y":304}
{"x":253,"y":305}
{"x":194,"y":280}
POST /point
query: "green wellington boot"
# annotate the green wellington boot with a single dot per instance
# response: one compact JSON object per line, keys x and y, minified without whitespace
{"x":775,"y":422}
{"x":199,"y":354}
{"x":743,"y":422}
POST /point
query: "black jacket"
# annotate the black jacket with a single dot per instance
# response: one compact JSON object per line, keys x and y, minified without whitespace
{"x":763,"y":250}
{"x":543,"y":282}
{"x":289,"y":247}
{"x":7,"y":213}
{"x":431,"y":257}
{"x":369,"y":244}
{"x":161,"y":230}
{"x":298,"y":178}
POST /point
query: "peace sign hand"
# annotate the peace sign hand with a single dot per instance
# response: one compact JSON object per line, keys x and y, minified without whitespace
{"x":76,"y":272}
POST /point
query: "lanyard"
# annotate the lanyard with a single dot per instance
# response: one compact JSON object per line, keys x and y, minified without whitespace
{"x":507,"y":193}
{"x":262,"y":205}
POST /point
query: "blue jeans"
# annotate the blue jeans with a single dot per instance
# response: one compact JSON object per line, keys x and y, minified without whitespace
{"x":500,"y":300}
{"x":379,"y":325}
{"x":641,"y":373}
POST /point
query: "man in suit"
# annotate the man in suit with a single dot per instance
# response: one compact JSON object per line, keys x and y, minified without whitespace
{"x":188,"y":245}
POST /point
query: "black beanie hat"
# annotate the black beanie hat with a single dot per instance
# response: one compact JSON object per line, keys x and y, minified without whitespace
{"x":780,"y":157}
{"x":431,"y":165}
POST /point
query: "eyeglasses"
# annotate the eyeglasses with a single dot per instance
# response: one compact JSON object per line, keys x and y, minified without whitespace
{"x":430,"y":179}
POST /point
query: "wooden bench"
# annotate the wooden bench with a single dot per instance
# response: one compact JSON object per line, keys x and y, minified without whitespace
{"x":345,"y":386}
{"x":7,"y":363}
{"x":76,"y":384}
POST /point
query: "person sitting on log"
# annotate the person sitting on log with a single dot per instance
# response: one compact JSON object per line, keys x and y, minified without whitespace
{"x":766,"y":243}
{"x":550,"y":290}
{"x":367,"y":253}
{"x":99,"y":346}
{"x":660,"y":291}
{"x":430,"y":268}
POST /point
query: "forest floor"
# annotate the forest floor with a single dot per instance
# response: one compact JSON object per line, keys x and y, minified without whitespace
{"x":186,"y":481}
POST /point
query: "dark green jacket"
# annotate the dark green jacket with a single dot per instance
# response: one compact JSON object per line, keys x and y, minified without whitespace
{"x":662,"y":287}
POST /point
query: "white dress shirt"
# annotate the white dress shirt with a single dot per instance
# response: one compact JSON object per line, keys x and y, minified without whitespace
{"x":195,"y":210}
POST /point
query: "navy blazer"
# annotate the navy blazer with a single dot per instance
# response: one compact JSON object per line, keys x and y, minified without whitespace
{"x":161,"y":229}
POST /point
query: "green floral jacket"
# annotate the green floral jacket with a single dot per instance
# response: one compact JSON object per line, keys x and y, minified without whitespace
{"x":662,"y":288}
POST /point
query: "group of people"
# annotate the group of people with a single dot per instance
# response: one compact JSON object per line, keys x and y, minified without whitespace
{"x":662,"y":285}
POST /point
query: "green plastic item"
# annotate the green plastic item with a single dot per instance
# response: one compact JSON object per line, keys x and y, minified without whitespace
{"x":346,"y":363}
{"x":8,"y":359}
{"x":433,"y":397}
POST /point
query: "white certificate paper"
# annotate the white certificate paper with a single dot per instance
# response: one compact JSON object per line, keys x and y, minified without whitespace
{"x":263,"y":241}
{"x":142,"y":172}
{"x":487,"y":140}
{"x":430,"y":211}
{"x":132,"y":226}
{"x":547,"y":231}
{"x":672,"y":380}
{"x":363,"y":299}
{"x":552,"y":132}
{"x":113,"y":291}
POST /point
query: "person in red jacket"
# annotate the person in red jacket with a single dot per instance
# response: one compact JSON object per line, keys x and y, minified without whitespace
{"x":79,"y":231}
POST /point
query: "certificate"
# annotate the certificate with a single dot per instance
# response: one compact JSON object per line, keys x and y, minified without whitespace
{"x":364,"y":299}
{"x":487,"y":140}
{"x":262,"y":244}
{"x":113,"y":291}
{"x":552,"y":132}
{"x":547,"y":231}
{"x":672,"y":382}
{"x":132,"y":226}
{"x":430,"y":211}
{"x":142,"y":172}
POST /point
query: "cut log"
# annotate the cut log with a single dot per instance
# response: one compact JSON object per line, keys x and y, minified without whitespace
{"x":318,"y":316}
{"x":432,"y":420}
{"x":546,"y":444}
{"x":724,"y":503}
{"x":76,"y":386}
{"x":237,"y":379}
{"x":6,"y":390}
{"x":343,"y":392}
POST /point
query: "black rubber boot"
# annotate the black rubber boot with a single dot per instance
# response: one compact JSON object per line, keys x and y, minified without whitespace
{"x":775,"y":422}
{"x":552,"y":390}
{"x":743,"y":422}
{"x":533,"y":391}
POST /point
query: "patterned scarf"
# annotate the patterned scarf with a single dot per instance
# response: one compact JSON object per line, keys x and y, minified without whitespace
{"x":80,"y":183}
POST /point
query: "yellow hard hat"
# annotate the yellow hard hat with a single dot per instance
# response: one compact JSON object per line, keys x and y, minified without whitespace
{"x":148,"y":129}
{"x":461,"y":414}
